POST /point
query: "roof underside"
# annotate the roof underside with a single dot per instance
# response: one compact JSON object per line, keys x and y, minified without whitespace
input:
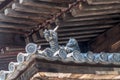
{"x":85,"y":21}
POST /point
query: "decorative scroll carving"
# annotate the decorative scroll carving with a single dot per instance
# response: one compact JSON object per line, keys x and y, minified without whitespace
{"x":61,"y":53}
{"x":48,"y":52}
{"x":21,"y":57}
{"x":12,"y":66}
{"x":32,"y":48}
{"x":4,"y":74}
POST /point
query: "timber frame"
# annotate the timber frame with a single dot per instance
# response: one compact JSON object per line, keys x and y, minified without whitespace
{"x":84,"y":22}
{"x":36,"y":64}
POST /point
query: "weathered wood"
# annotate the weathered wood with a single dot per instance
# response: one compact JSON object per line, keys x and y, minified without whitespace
{"x":36,"y":64}
{"x":38,"y":18}
{"x":34,"y":36}
{"x":8,"y":31}
{"x":21,"y":8}
{"x":4,"y":18}
{"x":72,"y":76}
{"x":80,"y":33}
{"x":76,"y":12}
{"x":10,"y":39}
{"x":95,"y":2}
{"x":82,"y":28}
{"x":16,"y":26}
{"x":115,"y":46}
{"x":85,"y":18}
{"x":98,"y":7}
{"x":87,"y":23}
{"x":58,"y":1}
{"x":4,"y":30}
{"x":40,"y":4}
{"x":14,"y":49}
{"x":107,"y":41}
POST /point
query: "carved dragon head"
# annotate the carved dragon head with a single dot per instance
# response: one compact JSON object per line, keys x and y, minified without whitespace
{"x":72,"y":45}
{"x":72,"y":42}
{"x":50,"y":35}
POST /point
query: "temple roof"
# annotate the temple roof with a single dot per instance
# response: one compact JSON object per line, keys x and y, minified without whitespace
{"x":72,"y":65}
{"x":85,"y":21}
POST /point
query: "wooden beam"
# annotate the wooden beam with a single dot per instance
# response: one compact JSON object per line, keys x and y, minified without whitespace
{"x":11,"y":13}
{"x":85,"y":18}
{"x":15,"y":26}
{"x":107,"y":42}
{"x":29,"y":68}
{"x":79,"y":28}
{"x":46,"y":4}
{"x":58,"y":1}
{"x":79,"y":37}
{"x":73,"y":76}
{"x":21,"y":8}
{"x":11,"y":37}
{"x":91,"y":22}
{"x":98,"y":7}
{"x":74,"y":33}
{"x":4,"y":18}
{"x":5,"y":3}
{"x":96,"y":2}
{"x":77,"y":11}
{"x":11,"y":31}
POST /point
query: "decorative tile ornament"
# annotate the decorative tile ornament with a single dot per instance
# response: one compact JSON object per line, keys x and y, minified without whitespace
{"x":64,"y":53}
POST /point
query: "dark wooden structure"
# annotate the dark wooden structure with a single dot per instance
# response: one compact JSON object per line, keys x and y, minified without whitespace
{"x":94,"y":23}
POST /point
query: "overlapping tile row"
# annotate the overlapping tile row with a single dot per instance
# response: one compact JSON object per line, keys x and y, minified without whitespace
{"x":63,"y":53}
{"x":76,"y":57}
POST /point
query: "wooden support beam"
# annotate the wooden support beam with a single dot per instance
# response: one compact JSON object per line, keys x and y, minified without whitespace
{"x":75,"y":33}
{"x":80,"y":28}
{"x":58,"y":1}
{"x":4,"y":18}
{"x":91,"y":22}
{"x":73,"y":76}
{"x":98,"y":7}
{"x":41,"y":4}
{"x":108,"y":41}
{"x":96,"y":2}
{"x":38,"y":18}
{"x":11,"y":31}
{"x":35,"y":65}
{"x":11,"y":37}
{"x":77,"y":11}
{"x":15,"y":26}
{"x":79,"y":37}
{"x":85,"y":18}
{"x":21,"y":8}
